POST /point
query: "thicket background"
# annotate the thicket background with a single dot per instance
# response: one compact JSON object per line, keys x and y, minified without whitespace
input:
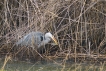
{"x":78,"y":25}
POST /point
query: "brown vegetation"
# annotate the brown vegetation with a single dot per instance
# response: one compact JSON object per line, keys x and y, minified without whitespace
{"x":78,"y":25}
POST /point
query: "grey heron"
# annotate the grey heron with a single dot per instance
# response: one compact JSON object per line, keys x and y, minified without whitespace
{"x":36,"y":39}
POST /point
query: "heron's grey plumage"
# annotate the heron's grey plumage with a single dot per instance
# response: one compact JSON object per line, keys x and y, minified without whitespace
{"x":34,"y":39}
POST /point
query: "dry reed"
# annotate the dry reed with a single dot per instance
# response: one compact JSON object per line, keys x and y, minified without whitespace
{"x":78,"y":25}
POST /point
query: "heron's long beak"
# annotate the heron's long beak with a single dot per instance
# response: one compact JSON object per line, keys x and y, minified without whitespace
{"x":54,"y":40}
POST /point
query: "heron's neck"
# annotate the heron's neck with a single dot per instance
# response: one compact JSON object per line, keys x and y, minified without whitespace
{"x":45,"y":41}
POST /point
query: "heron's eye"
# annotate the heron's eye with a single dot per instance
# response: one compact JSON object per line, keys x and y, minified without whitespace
{"x":41,"y":38}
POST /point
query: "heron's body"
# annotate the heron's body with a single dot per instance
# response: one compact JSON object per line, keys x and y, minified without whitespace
{"x":35,"y":39}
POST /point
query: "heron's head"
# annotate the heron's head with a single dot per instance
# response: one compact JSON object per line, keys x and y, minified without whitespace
{"x":49,"y":35}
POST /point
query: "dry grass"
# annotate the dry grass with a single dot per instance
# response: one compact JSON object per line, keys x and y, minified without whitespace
{"x":7,"y":58}
{"x":78,"y":25}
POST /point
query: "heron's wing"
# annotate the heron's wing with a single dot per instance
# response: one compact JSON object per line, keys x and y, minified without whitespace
{"x":31,"y":39}
{"x":25,"y":40}
{"x":38,"y":37}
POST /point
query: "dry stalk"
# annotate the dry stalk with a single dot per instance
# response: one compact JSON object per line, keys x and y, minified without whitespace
{"x":7,"y":58}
